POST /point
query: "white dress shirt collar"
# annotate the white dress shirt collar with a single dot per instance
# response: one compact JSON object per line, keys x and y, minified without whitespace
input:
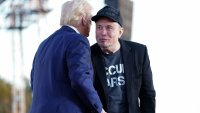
{"x":74,"y":28}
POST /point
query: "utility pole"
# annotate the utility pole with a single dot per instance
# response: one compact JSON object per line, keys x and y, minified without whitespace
{"x":15,"y":18}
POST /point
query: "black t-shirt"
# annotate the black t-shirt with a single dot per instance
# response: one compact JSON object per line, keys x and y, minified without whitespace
{"x":117,"y":99}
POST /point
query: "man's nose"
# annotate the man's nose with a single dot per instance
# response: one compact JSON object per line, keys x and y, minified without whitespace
{"x":104,"y":31}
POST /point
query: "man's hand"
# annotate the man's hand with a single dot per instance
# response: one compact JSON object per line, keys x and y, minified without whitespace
{"x":103,"y":111}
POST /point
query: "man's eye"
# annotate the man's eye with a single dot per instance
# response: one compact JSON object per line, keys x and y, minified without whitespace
{"x":99,"y":27}
{"x":109,"y":27}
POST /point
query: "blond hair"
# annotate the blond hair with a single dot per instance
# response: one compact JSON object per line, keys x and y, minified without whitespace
{"x":72,"y":12}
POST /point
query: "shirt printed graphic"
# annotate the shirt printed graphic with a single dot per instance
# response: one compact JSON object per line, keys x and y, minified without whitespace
{"x":113,"y":80}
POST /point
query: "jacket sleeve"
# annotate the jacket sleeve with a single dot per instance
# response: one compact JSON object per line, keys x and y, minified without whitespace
{"x":78,"y":58}
{"x":147,"y":92}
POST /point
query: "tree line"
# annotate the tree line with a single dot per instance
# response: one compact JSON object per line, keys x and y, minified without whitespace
{"x":6,"y":96}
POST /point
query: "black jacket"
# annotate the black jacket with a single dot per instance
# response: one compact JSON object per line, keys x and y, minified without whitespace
{"x":139,"y":83}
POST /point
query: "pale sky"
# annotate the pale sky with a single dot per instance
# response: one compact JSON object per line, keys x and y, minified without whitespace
{"x":171,"y":31}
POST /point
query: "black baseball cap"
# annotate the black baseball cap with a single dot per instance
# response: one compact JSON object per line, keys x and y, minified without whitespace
{"x":108,"y":12}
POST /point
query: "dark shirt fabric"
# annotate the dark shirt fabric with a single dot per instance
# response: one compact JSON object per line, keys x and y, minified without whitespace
{"x":117,"y":101}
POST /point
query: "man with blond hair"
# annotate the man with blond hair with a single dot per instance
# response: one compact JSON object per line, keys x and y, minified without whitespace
{"x":62,"y":72}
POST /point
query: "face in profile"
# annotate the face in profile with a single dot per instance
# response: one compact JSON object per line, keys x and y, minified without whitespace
{"x":88,"y":26}
{"x":86,"y":23}
{"x":107,"y":32}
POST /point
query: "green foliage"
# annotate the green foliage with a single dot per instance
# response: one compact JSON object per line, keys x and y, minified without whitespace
{"x":5,"y":97}
{"x":28,"y":94}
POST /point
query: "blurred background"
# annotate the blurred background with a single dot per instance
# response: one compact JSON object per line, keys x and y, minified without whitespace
{"x":169,"y":28}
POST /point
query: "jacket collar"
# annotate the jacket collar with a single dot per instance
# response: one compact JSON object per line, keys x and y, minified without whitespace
{"x":70,"y":28}
{"x":74,"y":29}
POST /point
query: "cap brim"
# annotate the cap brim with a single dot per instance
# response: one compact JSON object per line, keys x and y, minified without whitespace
{"x":97,"y":17}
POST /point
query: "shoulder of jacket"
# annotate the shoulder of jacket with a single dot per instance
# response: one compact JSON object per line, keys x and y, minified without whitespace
{"x":94,"y":46}
{"x":132,"y":44}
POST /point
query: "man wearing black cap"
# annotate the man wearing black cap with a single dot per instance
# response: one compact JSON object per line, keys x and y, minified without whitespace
{"x":123,"y":76}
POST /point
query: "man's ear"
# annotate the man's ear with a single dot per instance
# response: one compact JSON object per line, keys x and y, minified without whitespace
{"x":84,"y":20}
{"x":121,"y":31}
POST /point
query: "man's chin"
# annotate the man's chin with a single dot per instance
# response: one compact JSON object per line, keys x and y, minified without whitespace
{"x":104,"y":46}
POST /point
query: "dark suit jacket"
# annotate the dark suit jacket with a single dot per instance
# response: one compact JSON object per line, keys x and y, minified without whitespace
{"x":139,"y":83}
{"x":62,"y":75}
